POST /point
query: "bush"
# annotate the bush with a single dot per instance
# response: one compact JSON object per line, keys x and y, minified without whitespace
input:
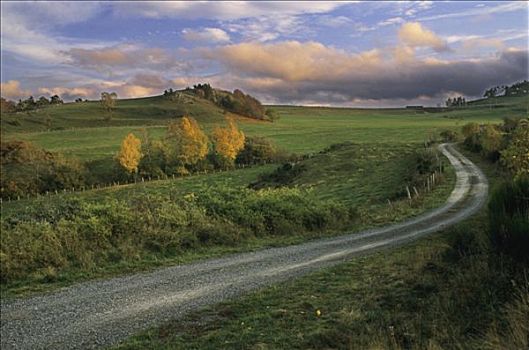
{"x":44,"y":241}
{"x":449,"y":135}
{"x":516,"y":155}
{"x":28,"y":170}
{"x":471,"y":132}
{"x":271,"y":115}
{"x":509,"y":218}
{"x":282,"y":176}
{"x":491,"y":142}
{"x":257,"y":150}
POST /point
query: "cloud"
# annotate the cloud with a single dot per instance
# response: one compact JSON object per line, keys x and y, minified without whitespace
{"x":268,"y":28}
{"x":476,"y":43}
{"x":391,"y":21}
{"x":11,"y":90}
{"x":120,"y":55}
{"x":69,"y":93}
{"x":481,"y":11}
{"x":154,"y":81}
{"x":25,"y":27}
{"x":290,"y":60}
{"x":220,"y":10}
{"x":295,"y":72}
{"x":414,"y":34}
{"x":214,"y":35}
{"x":131,"y":91}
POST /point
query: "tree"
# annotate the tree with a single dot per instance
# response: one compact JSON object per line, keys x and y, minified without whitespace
{"x":490,"y":92}
{"x":130,"y":155}
{"x":108,"y":101}
{"x":42,"y":101}
{"x":187,"y":142}
{"x":56,"y":100}
{"x":228,"y":141}
{"x":516,"y":156}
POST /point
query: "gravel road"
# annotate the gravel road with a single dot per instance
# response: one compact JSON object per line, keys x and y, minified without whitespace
{"x":97,"y":314}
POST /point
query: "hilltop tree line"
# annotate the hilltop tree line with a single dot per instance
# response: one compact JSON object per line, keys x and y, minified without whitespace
{"x":29,"y":104}
{"x":516,"y":89}
{"x":236,"y":102}
{"x":456,"y":102}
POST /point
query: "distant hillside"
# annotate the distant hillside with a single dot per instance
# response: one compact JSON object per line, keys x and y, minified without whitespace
{"x":157,"y":110}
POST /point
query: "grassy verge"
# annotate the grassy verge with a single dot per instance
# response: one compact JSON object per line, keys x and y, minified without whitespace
{"x":445,"y":291}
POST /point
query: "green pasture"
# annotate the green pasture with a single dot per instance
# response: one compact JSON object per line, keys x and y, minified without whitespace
{"x":83,"y":133}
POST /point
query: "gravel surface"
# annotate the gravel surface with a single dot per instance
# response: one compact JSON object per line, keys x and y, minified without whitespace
{"x":97,"y":314}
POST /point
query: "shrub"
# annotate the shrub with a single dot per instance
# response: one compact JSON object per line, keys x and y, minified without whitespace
{"x":43,"y":241}
{"x":509,"y":218}
{"x":516,"y":156}
{"x":449,"y":135}
{"x":257,"y":150}
{"x":282,"y":176}
{"x":471,"y":132}
{"x":27,"y":169}
{"x":491,"y":142}
{"x":271,"y":115}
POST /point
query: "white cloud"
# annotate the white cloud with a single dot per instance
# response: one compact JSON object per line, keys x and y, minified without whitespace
{"x":391,"y":21}
{"x":27,"y":28}
{"x":414,"y":34}
{"x":480,"y":11}
{"x":221,"y":10}
{"x":214,"y":35}
{"x":11,"y":89}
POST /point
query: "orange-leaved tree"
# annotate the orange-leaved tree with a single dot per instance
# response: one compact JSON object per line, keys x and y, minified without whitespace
{"x":129,"y":155}
{"x":228,"y":141}
{"x":188,"y":142}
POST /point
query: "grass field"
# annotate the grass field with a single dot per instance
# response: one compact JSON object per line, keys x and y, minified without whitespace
{"x":447,"y":291}
{"x":300,"y":129}
{"x":345,"y":181}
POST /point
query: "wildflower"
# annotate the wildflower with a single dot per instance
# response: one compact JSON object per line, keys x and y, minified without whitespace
{"x":318,"y":313}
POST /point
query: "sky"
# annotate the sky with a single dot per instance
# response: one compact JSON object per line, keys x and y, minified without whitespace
{"x":363,"y":54}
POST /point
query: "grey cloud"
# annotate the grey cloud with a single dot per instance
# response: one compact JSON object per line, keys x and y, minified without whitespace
{"x":406,"y":82}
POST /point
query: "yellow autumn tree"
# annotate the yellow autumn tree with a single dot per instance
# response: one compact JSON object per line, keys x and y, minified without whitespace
{"x":228,"y":141}
{"x":130,"y":155}
{"x":188,"y":142}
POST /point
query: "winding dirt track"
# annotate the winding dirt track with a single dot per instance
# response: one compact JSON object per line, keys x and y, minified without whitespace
{"x":101,"y":313}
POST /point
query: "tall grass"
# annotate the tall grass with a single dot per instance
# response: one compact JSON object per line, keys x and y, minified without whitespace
{"x":509,"y":218}
{"x":75,"y":235}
